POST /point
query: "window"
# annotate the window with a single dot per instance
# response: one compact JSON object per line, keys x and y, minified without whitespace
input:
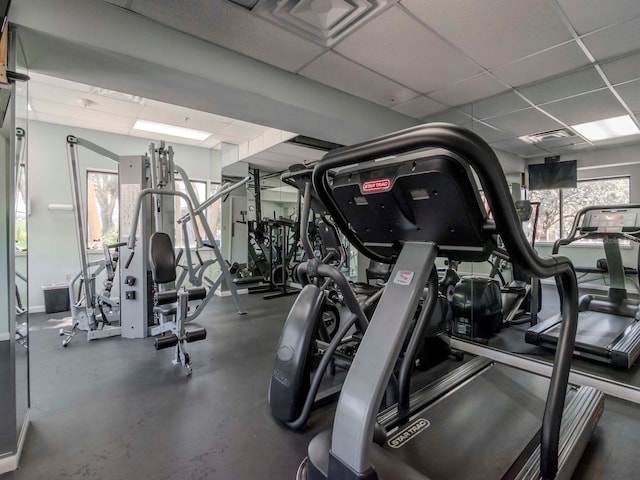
{"x":559,"y":207}
{"x":102,"y":209}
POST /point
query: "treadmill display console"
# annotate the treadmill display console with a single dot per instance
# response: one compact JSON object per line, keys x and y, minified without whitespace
{"x":611,"y":221}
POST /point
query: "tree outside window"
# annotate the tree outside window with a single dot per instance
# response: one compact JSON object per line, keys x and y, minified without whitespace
{"x":102,"y":209}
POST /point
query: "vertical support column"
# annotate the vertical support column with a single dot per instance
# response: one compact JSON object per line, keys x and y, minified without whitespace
{"x":136,"y":302}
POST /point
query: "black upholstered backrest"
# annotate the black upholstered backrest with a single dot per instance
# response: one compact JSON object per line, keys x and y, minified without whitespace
{"x":162,"y":258}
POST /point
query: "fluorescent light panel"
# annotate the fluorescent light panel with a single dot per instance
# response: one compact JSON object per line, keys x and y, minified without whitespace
{"x":607,"y":128}
{"x":174,"y":131}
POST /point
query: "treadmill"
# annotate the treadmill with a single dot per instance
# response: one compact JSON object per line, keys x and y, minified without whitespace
{"x":608,"y":325}
{"x":399,"y":203}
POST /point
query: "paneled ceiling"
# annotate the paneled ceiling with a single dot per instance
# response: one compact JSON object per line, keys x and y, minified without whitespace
{"x":502,"y":68}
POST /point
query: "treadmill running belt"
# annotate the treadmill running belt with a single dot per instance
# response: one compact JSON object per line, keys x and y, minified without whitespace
{"x":597,"y":329}
{"x":471,"y":433}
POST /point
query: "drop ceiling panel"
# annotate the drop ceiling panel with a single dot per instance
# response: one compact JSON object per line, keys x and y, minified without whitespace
{"x":420,"y":107}
{"x":521,"y":28}
{"x":517,"y":147}
{"x":450,"y":116}
{"x":182,"y":117}
{"x":622,"y":69}
{"x":178,"y":110}
{"x":583,"y":81}
{"x":498,"y":105}
{"x":589,"y":15}
{"x":241,"y":131}
{"x":585,"y":108}
{"x":489,"y":134}
{"x":614,"y":41}
{"x":108,"y":119}
{"x":554,"y":61}
{"x":64,"y":96}
{"x":299,"y":151}
{"x":338,"y":72}
{"x":232,"y":27}
{"x":630,"y":93}
{"x":474,"y":88}
{"x":79,"y":123}
{"x":524,"y":122}
{"x":413,"y":56}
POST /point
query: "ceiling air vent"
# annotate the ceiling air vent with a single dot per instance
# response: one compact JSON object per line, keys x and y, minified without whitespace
{"x":546,"y":136}
{"x":321,"y":21}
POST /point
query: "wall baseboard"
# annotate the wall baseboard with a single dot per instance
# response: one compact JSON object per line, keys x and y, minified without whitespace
{"x":226,"y":293}
{"x":36,"y":309}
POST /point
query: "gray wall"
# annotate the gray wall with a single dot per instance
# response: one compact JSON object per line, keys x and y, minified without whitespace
{"x":53,"y":251}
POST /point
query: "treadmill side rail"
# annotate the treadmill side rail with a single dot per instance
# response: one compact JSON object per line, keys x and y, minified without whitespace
{"x":533,"y":334}
{"x":625,"y":353}
{"x":579,"y":419}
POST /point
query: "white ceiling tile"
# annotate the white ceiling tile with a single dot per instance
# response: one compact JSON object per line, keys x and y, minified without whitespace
{"x":412,"y":56}
{"x":575,"y":83}
{"x":487,"y":133}
{"x":178,"y":110}
{"x":554,"y":61}
{"x":79,"y":123}
{"x":247,"y":133}
{"x":516,"y":146}
{"x":64,"y":96}
{"x":232,"y":27}
{"x":585,"y":108}
{"x":176,"y":116}
{"x":630,"y":93}
{"x":589,"y":15}
{"x":341,"y":73}
{"x":450,"y":116}
{"x":474,"y":88}
{"x":420,"y":107}
{"x":614,"y":41}
{"x":622,"y":69}
{"x":498,"y":105}
{"x":83,"y":114}
{"x":524,"y":122}
{"x":493,"y":32}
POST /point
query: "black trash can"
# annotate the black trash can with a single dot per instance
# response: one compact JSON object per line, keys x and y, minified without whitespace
{"x":56,"y":298}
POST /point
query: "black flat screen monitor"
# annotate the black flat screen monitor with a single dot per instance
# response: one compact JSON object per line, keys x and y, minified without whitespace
{"x":546,"y":176}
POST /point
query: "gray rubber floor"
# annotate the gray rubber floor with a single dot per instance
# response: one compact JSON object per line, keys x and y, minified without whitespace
{"x":117,"y":409}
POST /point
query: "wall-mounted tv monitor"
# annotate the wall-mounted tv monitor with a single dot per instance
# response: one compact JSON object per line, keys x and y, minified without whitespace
{"x":546,"y":176}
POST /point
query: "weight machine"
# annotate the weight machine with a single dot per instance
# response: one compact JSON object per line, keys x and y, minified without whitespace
{"x":132,"y":315}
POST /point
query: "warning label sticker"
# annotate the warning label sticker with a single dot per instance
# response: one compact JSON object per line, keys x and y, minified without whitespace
{"x":403,"y":277}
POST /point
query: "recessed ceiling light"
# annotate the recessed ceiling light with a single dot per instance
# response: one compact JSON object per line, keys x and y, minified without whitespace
{"x":607,"y":128}
{"x":172,"y":130}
